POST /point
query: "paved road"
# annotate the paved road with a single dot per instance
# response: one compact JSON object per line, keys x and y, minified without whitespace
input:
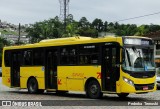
{"x":15,"y":94}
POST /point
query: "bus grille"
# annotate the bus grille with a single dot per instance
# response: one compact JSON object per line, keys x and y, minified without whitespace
{"x":149,"y":74}
{"x":141,"y":86}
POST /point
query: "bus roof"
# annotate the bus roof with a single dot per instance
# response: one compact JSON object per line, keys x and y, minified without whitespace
{"x":71,"y":41}
{"x":76,"y":38}
{"x":137,"y":37}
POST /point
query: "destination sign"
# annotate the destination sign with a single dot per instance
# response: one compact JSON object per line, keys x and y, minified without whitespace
{"x":130,"y":41}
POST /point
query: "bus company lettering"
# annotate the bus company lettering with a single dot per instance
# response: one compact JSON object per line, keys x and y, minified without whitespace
{"x":59,"y":82}
{"x":98,"y":75}
{"x":78,"y":75}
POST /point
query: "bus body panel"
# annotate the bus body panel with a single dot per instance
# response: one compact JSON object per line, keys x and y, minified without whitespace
{"x":75,"y":84}
{"x":62,"y":83}
{"x":6,"y":80}
{"x":23,"y":82}
{"x":127,"y":88}
{"x":41,"y":82}
{"x":32,"y":71}
{"x":37,"y":72}
{"x":74,"y":77}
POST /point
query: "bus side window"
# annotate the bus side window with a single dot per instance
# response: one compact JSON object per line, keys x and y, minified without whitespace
{"x":63,"y":57}
{"x":72,"y":56}
{"x":88,"y":54}
{"x":27,"y":57}
{"x":7,"y":58}
{"x":84,"y":60}
{"x":68,"y":56}
{"x":38,"y":57}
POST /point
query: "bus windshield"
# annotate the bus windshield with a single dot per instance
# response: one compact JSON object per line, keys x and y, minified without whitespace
{"x":138,"y":59}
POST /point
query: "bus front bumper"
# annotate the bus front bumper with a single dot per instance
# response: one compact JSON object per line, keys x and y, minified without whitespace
{"x":137,"y":88}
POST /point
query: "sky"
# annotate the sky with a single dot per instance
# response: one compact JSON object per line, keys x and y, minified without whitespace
{"x":31,"y":11}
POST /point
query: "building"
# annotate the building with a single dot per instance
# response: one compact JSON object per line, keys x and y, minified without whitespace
{"x":156,"y":37}
{"x":13,"y":38}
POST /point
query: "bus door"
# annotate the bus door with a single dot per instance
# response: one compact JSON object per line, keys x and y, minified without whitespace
{"x":51,"y":69}
{"x":110,"y":66}
{"x":15,"y":68}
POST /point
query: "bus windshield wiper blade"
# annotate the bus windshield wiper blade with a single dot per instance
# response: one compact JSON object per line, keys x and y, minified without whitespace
{"x":129,"y":61}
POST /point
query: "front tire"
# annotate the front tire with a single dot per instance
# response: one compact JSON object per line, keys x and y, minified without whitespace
{"x":93,"y":90}
{"x":32,"y":86}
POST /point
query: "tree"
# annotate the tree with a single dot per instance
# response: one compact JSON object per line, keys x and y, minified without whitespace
{"x":83,"y":23}
{"x":105,"y":26}
{"x":142,"y":30}
{"x":51,"y":28}
{"x":98,"y":25}
{"x":3,"y":42}
{"x":89,"y":32}
{"x":71,"y":28}
{"x":153,"y":28}
{"x":111,"y":27}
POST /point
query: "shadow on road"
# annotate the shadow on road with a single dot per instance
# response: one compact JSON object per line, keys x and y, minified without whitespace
{"x":106,"y":97}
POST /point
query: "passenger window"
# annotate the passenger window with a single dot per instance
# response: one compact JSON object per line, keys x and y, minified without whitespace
{"x":27,"y":57}
{"x":38,"y":57}
{"x":88,"y":54}
{"x":7,"y":58}
{"x":68,"y":56}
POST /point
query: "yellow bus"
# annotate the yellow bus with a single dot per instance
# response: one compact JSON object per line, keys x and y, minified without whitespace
{"x":118,"y":65}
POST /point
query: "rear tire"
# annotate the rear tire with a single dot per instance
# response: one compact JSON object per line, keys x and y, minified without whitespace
{"x":122,"y":95}
{"x":93,"y":90}
{"x":32,"y":86}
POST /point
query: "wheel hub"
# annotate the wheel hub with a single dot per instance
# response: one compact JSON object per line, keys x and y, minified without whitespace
{"x":32,"y":86}
{"x":94,"y":89}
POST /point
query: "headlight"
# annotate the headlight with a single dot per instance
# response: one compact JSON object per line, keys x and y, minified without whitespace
{"x":128,"y":81}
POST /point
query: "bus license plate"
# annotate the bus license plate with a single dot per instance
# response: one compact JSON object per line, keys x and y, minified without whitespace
{"x":145,"y":87}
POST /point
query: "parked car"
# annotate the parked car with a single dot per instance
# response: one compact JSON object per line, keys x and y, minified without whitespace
{"x":0,"y":71}
{"x":158,"y":82}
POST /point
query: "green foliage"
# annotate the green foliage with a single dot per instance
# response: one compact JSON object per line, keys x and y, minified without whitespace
{"x":142,"y":30}
{"x":98,"y":25}
{"x":47,"y":29}
{"x":3,"y":42}
{"x":6,"y":31}
{"x":54,"y":28}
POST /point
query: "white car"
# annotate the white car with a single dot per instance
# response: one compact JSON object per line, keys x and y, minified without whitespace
{"x":158,"y":82}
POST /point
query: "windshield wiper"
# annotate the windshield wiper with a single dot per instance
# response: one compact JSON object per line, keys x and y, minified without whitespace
{"x":136,"y":51}
{"x":129,"y":61}
{"x":140,"y":56}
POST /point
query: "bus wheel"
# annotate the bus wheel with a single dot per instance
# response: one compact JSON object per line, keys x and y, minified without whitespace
{"x":32,"y":86}
{"x":122,"y":95}
{"x":93,"y":90}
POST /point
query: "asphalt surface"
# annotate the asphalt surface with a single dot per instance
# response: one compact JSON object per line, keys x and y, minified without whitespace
{"x":79,"y":100}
